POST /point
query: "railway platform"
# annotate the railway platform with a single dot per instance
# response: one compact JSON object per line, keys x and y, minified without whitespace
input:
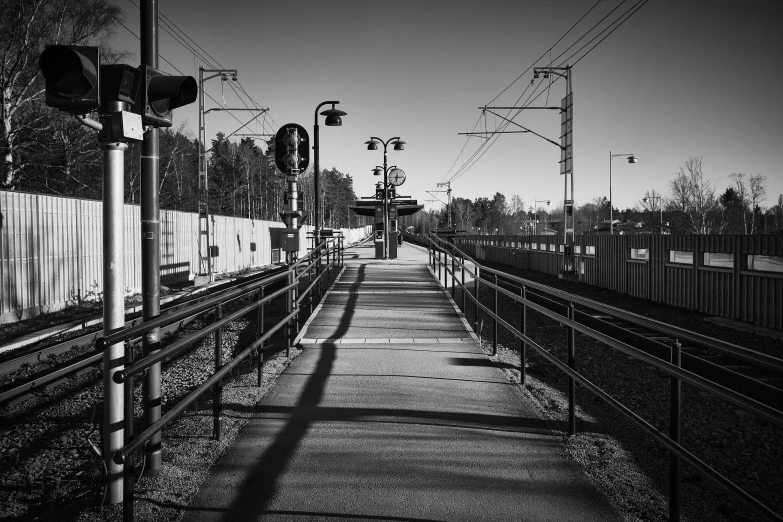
{"x":393,"y":412}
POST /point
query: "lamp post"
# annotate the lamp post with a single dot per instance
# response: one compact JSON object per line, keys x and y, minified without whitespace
{"x":373,"y":145}
{"x":333,"y":119}
{"x":537,"y":201}
{"x":631,"y":159}
{"x":648,"y":198}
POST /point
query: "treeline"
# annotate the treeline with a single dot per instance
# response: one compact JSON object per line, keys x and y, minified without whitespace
{"x":693,"y":206}
{"x":46,"y":151}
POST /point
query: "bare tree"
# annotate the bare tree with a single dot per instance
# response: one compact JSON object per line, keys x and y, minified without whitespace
{"x":693,"y":200}
{"x":26,"y":26}
{"x":757,"y":194}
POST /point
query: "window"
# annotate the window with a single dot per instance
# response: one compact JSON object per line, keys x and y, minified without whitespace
{"x":590,"y":250}
{"x":527,"y":246}
{"x":542,"y":246}
{"x":681,"y":257}
{"x":561,"y":248}
{"x":720,"y":260}
{"x":639,"y":253}
{"x":765,"y":263}
{"x":551,"y":248}
{"x":577,"y":250}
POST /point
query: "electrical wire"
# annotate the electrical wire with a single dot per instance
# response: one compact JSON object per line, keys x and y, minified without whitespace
{"x":614,"y":25}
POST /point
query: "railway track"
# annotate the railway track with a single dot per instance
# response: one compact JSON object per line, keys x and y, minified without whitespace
{"x":754,"y":374}
{"x":20,"y":390}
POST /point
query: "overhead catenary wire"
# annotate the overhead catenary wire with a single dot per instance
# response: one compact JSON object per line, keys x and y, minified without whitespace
{"x":182,"y":38}
{"x":614,"y":25}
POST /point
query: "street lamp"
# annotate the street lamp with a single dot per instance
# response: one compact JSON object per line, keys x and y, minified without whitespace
{"x":537,"y":201}
{"x":631,"y":159}
{"x":333,"y":119}
{"x":648,"y":198}
{"x":373,"y":145}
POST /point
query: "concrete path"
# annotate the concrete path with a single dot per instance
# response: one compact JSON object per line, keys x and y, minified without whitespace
{"x":394,"y":413}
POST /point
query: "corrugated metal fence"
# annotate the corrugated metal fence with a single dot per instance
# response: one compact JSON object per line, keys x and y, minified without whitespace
{"x":739,"y":277}
{"x":51,"y":250}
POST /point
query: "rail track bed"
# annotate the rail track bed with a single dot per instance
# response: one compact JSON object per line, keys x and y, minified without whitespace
{"x":32,"y":368}
{"x":732,"y":441}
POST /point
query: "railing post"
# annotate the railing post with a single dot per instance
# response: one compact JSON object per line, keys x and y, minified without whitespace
{"x":217,"y":391}
{"x":453,"y":276}
{"x":571,"y":381}
{"x":260,"y":330}
{"x":674,"y":434}
{"x":289,"y":308}
{"x":494,"y":318}
{"x":439,"y":265}
{"x":127,"y":470}
{"x":462,"y":265}
{"x":523,"y":329}
{"x":476,"y":292}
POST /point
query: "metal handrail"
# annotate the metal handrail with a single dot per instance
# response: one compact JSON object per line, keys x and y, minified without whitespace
{"x":293,"y":275}
{"x":770,"y":414}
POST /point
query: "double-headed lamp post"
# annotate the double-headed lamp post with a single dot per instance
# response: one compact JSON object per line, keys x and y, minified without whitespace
{"x":333,"y":119}
{"x":631,"y":159}
{"x":647,"y":200}
{"x":537,"y":201}
{"x":373,"y":145}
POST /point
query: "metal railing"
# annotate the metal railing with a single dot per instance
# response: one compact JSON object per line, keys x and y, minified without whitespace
{"x":439,"y":253}
{"x":317,"y":266}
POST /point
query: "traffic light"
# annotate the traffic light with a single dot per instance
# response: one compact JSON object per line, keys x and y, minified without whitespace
{"x":160,"y":94}
{"x":292,"y":149}
{"x":72,"y":77}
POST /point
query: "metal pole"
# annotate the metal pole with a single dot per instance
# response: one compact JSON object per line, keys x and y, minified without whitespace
{"x":611,"y":220}
{"x":150,"y":247}
{"x":316,"y":182}
{"x":385,"y":204}
{"x":453,"y":277}
{"x":463,"y":284}
{"x":260,"y":332}
{"x":217,"y":390}
{"x":523,"y":329}
{"x":476,"y":294}
{"x":571,"y":381}
{"x":495,"y":318}
{"x":113,"y":308}
{"x":675,"y":465}
{"x":127,"y":495}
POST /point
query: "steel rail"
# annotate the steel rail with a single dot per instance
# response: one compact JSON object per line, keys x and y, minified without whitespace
{"x":211,"y":302}
{"x":717,"y":478}
{"x":121,"y":456}
{"x":768,"y":362}
{"x":121,"y":376}
{"x":759,"y":409}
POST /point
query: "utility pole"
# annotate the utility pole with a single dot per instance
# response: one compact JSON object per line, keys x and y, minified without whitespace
{"x":150,"y":246}
{"x":205,"y":260}
{"x":566,"y":161}
{"x":566,"y":154}
{"x":448,"y":199}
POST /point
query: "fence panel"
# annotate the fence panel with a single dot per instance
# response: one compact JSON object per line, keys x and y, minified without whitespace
{"x":51,"y":250}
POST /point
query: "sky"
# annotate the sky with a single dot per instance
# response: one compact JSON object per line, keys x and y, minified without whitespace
{"x":678,"y":79}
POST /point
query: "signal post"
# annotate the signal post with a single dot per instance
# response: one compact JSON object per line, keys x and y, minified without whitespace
{"x":77,"y":83}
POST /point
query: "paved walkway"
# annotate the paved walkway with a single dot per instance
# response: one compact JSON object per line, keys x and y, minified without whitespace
{"x":394,"y":413}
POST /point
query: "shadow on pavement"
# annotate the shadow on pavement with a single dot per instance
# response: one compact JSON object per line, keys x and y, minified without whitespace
{"x":260,"y":487}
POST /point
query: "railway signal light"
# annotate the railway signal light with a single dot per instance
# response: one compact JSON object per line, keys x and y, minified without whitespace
{"x":292,"y":151}
{"x":160,"y":94}
{"x":72,"y":77}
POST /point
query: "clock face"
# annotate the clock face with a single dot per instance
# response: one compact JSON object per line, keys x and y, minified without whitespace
{"x":397,"y":177}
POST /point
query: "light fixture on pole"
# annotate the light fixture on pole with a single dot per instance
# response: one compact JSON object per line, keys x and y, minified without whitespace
{"x":537,"y":201}
{"x":648,"y":198}
{"x":631,"y":159}
{"x":333,"y":119}
{"x":373,"y":145}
